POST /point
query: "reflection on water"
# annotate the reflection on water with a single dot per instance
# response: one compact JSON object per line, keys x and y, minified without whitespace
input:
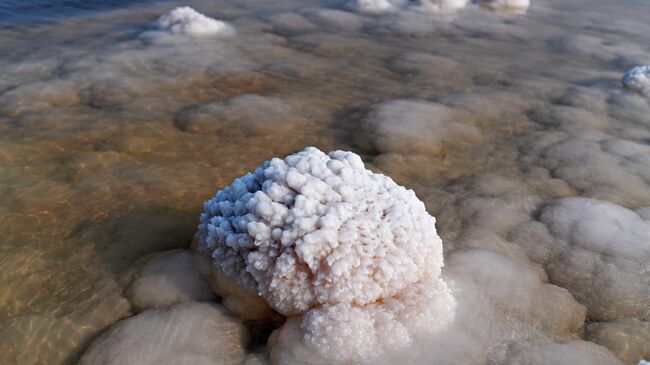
{"x":25,"y":12}
{"x":114,"y":133}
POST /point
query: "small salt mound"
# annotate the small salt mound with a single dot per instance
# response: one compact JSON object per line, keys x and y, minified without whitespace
{"x":571,"y":352}
{"x":429,"y":69}
{"x":518,"y":291}
{"x":187,"y":21}
{"x":376,"y":6}
{"x":333,"y":19}
{"x":600,"y":226}
{"x":601,"y":252}
{"x":638,"y":79}
{"x":290,"y":23}
{"x":390,"y":6}
{"x":415,"y":127}
{"x":243,"y":115}
{"x":168,"y":278}
{"x":442,"y":6}
{"x":628,"y":339}
{"x":187,"y":333}
{"x":593,"y":167}
{"x":506,"y":5}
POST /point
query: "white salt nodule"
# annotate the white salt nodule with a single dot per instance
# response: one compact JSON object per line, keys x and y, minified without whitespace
{"x":319,"y":235}
{"x":638,"y":79}
{"x":513,"y":5}
{"x":376,"y":6}
{"x":388,"y":6}
{"x":187,"y":21}
{"x":442,"y":6}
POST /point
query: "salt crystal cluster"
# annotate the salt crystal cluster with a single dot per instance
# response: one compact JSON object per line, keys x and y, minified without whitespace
{"x":638,"y":79}
{"x":386,"y":6}
{"x":376,"y":6}
{"x":507,"y":5}
{"x":351,"y":254}
{"x":189,"y":22}
{"x":443,"y":6}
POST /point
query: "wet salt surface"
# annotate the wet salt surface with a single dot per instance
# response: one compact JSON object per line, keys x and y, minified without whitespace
{"x":514,"y":129}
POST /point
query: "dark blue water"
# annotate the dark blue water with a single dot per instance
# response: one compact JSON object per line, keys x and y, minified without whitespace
{"x":21,"y":12}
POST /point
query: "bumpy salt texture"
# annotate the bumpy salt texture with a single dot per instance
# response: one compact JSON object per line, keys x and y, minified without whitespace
{"x":353,"y":257}
{"x":638,"y":79}
{"x":189,"y":22}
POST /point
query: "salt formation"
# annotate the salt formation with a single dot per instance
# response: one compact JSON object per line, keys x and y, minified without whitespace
{"x":638,"y":79}
{"x":572,"y":352}
{"x":627,"y":338}
{"x":376,"y":6}
{"x":442,"y":5}
{"x":167,"y":278}
{"x":187,"y":333}
{"x":511,"y":5}
{"x":333,"y":19}
{"x":413,"y":126}
{"x":387,"y":6}
{"x":601,"y":252}
{"x":243,"y":115}
{"x":350,"y":256}
{"x":506,"y":4}
{"x":187,"y":21}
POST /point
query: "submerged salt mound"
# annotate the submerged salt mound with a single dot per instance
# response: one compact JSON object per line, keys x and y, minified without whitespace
{"x":416,"y":127}
{"x":187,"y":333}
{"x":168,"y":278}
{"x":628,"y":339}
{"x":189,"y":22}
{"x":376,"y":6}
{"x":638,"y":79}
{"x":601,"y":252}
{"x":243,"y":115}
{"x":600,"y":227}
{"x":571,"y":352}
{"x":351,"y":255}
{"x":442,"y":6}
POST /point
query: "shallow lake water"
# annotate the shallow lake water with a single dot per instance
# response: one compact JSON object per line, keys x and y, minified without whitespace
{"x":512,"y":126}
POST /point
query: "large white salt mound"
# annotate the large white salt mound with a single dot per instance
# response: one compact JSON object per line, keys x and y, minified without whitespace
{"x":187,"y":21}
{"x":187,"y":333}
{"x":353,"y":257}
{"x":638,"y":79}
{"x":315,"y":229}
